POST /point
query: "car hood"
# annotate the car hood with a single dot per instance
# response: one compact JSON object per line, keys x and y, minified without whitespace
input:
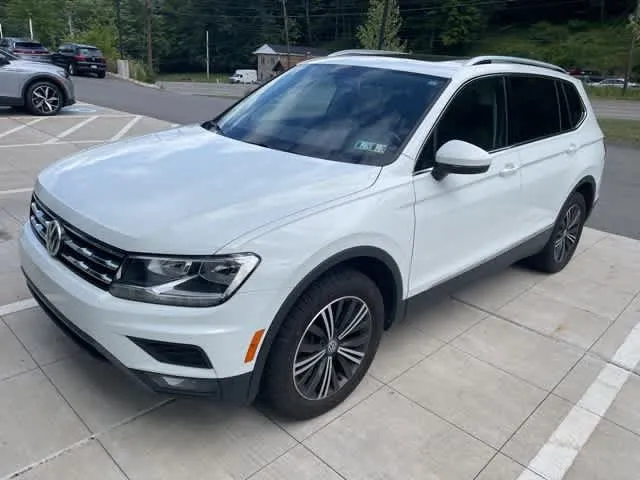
{"x":29,"y":66}
{"x":188,"y":190}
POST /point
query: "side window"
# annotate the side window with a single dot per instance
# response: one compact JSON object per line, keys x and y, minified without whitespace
{"x":477,"y":114}
{"x":534,"y":110}
{"x":575,"y":107}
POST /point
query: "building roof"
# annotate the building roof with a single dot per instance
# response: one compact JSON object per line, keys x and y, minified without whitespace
{"x":296,"y":50}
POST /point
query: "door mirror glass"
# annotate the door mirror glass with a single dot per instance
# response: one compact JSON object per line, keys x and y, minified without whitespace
{"x":460,"y":158}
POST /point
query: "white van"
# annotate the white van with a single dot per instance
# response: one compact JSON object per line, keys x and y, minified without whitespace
{"x":244,"y":76}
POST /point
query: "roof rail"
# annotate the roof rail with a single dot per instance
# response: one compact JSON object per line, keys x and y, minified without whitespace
{"x":486,"y":59}
{"x":357,"y":51}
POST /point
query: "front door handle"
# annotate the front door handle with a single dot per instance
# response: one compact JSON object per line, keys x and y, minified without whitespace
{"x":509,"y":169}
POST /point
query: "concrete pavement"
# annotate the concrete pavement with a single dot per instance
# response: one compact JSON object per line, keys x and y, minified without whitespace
{"x":519,"y":376}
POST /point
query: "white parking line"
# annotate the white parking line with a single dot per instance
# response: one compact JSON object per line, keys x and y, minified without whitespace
{"x":71,"y":130}
{"x":13,"y":191}
{"x":17,"y":306}
{"x":21,"y":127}
{"x":123,"y":131}
{"x":49,"y":142}
{"x":556,"y":456}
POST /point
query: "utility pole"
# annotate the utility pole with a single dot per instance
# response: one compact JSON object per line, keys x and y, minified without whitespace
{"x":149,"y":37}
{"x":70,"y":26}
{"x":383,"y":24}
{"x":30,"y":29}
{"x":632,"y":46}
{"x":286,"y":33}
{"x":119,"y":27}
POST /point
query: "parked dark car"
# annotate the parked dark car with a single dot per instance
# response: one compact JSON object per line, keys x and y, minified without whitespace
{"x":26,"y":49}
{"x":81,"y":59}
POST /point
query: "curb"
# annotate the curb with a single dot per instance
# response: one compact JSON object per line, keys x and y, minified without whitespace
{"x":135,"y":82}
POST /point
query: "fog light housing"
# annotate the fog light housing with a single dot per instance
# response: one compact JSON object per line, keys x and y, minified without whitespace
{"x":182,"y":385}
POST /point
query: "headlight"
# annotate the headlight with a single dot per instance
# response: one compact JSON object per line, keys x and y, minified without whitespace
{"x":186,"y":282}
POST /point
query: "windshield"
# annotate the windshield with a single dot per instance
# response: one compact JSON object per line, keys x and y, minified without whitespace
{"x":336,"y":112}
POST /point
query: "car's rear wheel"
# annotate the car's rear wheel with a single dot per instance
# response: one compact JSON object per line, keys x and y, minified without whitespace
{"x":564,"y":238}
{"x":102,"y":74}
{"x":44,"y":98}
{"x":325,"y":346}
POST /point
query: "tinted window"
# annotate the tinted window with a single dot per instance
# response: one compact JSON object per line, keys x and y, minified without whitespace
{"x":533,"y":109}
{"x":337,"y":112}
{"x":475,"y":115}
{"x":90,"y":52}
{"x":29,"y":45}
{"x":574,"y":106}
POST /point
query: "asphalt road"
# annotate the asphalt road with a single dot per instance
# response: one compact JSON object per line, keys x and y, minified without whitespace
{"x":152,"y":102}
{"x":618,"y":210}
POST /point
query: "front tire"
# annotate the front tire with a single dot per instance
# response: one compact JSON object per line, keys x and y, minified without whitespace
{"x":44,"y":99}
{"x":325,"y":345}
{"x":564,"y":239}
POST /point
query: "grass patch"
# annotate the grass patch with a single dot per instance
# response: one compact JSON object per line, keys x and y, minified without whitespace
{"x":613,"y":93}
{"x":621,"y":131}
{"x":193,"y":77}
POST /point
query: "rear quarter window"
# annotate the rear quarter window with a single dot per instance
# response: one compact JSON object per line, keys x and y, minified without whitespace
{"x":575,"y":109}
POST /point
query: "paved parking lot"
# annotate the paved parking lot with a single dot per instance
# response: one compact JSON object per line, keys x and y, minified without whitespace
{"x":515,"y":374}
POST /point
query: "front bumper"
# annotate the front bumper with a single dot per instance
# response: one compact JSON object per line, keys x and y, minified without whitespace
{"x":111,"y":327}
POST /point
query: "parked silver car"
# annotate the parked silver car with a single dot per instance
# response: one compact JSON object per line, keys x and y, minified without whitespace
{"x":43,"y":89}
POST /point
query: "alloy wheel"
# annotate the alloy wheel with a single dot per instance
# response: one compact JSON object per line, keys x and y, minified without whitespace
{"x":45,"y":99}
{"x":332,"y":348}
{"x":567,"y":236}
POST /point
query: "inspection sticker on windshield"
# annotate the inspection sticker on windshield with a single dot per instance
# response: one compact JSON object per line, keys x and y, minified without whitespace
{"x":370,"y":146}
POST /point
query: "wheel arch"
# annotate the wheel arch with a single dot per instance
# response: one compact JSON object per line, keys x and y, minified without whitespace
{"x":41,"y":78}
{"x":372,"y":261}
{"x":587,"y":187}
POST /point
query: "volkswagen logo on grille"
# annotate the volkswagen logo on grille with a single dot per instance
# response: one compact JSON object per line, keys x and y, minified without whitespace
{"x":53,"y":237}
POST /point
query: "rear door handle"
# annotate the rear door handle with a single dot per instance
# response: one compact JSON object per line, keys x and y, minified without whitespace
{"x":509,"y":169}
{"x":573,"y":148}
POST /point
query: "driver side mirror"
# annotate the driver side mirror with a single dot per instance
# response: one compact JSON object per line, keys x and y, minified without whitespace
{"x":460,"y":158}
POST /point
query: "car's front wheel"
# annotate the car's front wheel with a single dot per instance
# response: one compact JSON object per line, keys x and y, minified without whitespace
{"x":564,"y":238}
{"x":44,"y":99}
{"x":325,"y":346}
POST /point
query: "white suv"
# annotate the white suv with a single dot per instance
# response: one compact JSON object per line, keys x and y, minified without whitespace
{"x":268,"y":249}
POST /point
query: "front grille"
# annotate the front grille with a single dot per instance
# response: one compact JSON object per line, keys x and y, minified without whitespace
{"x":89,"y":258}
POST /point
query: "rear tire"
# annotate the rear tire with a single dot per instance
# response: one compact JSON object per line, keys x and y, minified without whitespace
{"x":102,"y":74}
{"x":564,"y":239}
{"x":44,"y":99}
{"x":325,"y":345}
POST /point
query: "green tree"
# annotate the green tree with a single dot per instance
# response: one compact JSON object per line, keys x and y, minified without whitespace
{"x":368,"y":33}
{"x":460,"y":21}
